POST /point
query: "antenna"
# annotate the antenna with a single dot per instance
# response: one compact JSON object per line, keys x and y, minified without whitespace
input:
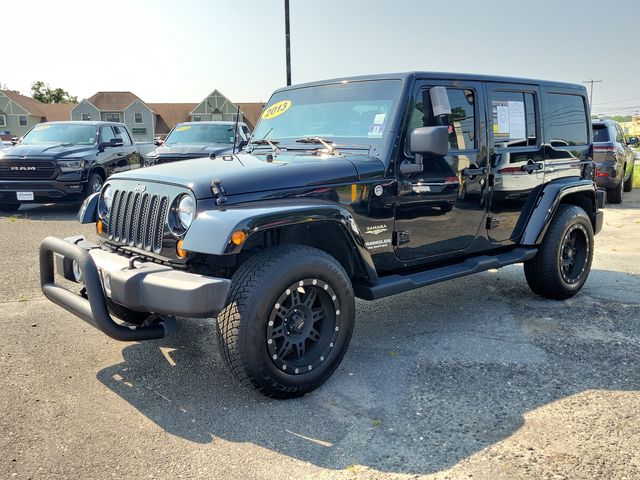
{"x":235,"y":131}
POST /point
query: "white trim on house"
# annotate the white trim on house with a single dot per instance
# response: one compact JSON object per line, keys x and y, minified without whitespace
{"x":141,"y":102}
{"x":135,"y":118}
{"x":26,"y":120}
{"x":80,"y":103}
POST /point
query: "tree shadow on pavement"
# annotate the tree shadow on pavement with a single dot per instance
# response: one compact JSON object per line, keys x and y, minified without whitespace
{"x":432,"y":376}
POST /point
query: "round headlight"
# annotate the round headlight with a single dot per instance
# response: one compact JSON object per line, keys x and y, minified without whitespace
{"x":186,"y":211}
{"x":107,"y":196}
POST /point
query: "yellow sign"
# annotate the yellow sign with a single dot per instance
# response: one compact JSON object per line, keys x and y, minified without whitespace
{"x":276,"y":109}
{"x":183,"y":128}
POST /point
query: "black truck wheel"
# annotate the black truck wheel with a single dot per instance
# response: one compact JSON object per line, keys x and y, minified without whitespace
{"x":9,"y":207}
{"x":288,"y":320}
{"x":628,"y":183}
{"x":563,"y":262}
{"x":94,"y":184}
{"x":615,"y":194}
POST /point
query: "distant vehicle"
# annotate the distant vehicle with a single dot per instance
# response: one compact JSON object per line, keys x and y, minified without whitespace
{"x":4,"y":144}
{"x":198,"y":139}
{"x":614,"y":159}
{"x":63,"y":161}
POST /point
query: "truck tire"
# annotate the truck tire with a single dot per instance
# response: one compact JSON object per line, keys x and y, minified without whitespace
{"x":615,"y":194}
{"x":628,"y":183}
{"x":288,"y":320}
{"x":94,"y":184}
{"x":9,"y":207}
{"x":563,"y":262}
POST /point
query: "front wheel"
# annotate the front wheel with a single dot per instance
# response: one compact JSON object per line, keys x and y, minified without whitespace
{"x":94,"y":185}
{"x":288,"y":320}
{"x":563,"y":262}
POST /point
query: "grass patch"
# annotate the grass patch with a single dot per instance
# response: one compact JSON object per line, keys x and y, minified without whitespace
{"x":636,"y":176}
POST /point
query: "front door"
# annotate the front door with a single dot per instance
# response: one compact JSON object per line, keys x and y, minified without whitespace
{"x":439,"y":210}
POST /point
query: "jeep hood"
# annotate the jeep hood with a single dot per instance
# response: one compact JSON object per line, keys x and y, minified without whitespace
{"x":246,"y":173}
{"x":50,"y":152}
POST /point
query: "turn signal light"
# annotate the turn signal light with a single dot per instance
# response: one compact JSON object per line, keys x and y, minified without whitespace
{"x":181,"y":252}
{"x":99,"y":227}
{"x":238,"y":237}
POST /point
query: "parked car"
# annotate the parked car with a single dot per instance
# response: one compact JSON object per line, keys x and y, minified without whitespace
{"x":64,"y":161}
{"x":277,"y":241}
{"x":198,"y":139}
{"x":614,"y":159}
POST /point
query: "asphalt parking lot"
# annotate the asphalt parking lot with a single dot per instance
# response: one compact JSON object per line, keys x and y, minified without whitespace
{"x":474,"y":378}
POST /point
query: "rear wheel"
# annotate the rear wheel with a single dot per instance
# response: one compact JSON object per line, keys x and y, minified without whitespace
{"x":563,"y":262}
{"x":9,"y":207}
{"x":288,"y":320}
{"x":628,"y":183}
{"x":615,"y":194}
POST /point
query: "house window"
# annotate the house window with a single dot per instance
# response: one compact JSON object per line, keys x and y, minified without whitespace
{"x":112,"y":117}
{"x":137,"y":118}
{"x":86,"y":117}
{"x":22,"y":119}
{"x":3,"y":121}
{"x":197,"y":118}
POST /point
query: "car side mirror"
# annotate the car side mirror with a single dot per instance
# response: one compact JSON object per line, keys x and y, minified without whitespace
{"x":14,"y":140}
{"x":114,"y":142}
{"x":158,"y":142}
{"x":430,"y":141}
{"x":632,"y":141}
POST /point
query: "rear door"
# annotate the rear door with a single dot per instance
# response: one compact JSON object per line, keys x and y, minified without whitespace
{"x":130,"y":157}
{"x":517,"y":155}
{"x":109,"y":157}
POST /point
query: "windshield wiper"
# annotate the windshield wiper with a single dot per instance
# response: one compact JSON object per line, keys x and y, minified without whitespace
{"x":320,"y":141}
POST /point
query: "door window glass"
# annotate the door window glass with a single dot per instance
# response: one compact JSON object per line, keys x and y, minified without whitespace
{"x":513,"y":119}
{"x":106,"y":134}
{"x":122,"y":133}
{"x":461,"y":121}
{"x":566,"y":120}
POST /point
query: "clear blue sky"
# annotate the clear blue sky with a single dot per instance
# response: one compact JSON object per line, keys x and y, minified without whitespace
{"x":180,"y":50}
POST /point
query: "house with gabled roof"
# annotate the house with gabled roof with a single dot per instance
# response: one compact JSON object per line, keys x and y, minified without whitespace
{"x":18,"y":113}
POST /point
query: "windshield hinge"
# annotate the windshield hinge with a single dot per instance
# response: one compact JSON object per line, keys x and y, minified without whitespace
{"x":218,"y":191}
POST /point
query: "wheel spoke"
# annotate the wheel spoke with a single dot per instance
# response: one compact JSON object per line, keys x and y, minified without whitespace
{"x":278,"y":332}
{"x":300,"y":348}
{"x":310,"y":297}
{"x":314,"y":335}
{"x":284,"y":349}
{"x":295,"y":298}
{"x":317,"y":314}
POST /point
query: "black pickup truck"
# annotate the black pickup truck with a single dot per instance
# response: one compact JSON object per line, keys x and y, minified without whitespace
{"x":64,"y":161}
{"x":355,"y":187}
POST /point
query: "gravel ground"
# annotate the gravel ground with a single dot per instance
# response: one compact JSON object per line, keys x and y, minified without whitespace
{"x":474,"y":378}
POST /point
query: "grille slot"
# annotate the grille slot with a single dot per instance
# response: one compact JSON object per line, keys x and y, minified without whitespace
{"x":27,"y":169}
{"x":138,"y":219}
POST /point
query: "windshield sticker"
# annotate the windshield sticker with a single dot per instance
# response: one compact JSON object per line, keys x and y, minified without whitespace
{"x":41,"y":127}
{"x":375,"y":131}
{"x":276,"y":109}
{"x":379,"y":119}
{"x":183,"y":128}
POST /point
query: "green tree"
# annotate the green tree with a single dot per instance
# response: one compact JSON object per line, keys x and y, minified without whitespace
{"x":45,"y":94}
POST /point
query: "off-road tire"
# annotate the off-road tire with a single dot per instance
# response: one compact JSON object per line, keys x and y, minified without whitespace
{"x":255,"y":290}
{"x":628,"y":183}
{"x":614,"y":195}
{"x":544,"y":272}
{"x":9,"y":207}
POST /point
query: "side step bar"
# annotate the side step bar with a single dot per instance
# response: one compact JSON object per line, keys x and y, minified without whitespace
{"x":402,"y":283}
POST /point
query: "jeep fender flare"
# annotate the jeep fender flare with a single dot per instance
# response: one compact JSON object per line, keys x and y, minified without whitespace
{"x":210,"y":233}
{"x":538,"y":215}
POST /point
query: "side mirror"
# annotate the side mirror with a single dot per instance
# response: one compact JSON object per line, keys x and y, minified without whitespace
{"x":430,"y":140}
{"x":114,"y":142}
{"x":632,"y":141}
{"x":14,"y":140}
{"x":158,"y":142}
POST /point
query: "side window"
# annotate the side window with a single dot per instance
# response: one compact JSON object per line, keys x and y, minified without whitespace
{"x":620,"y":135}
{"x":122,"y":133}
{"x":565,"y":120}
{"x":513,"y":119}
{"x":461,"y":121}
{"x":106,"y":134}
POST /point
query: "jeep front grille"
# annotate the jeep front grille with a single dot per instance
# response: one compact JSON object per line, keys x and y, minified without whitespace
{"x":138,"y":220}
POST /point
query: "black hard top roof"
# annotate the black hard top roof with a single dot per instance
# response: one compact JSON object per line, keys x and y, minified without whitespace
{"x":440,"y":76}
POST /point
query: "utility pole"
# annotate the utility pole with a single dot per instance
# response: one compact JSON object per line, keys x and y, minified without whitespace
{"x":592,"y":81}
{"x":287,"y":40}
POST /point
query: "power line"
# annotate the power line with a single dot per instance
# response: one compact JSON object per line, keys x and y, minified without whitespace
{"x":592,"y":81}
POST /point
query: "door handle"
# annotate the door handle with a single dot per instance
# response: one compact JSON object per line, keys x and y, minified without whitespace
{"x":532,"y":166}
{"x":121,"y":154}
{"x":473,"y":172}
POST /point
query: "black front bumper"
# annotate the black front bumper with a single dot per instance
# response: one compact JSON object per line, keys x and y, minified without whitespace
{"x":44,"y":191}
{"x":140,"y":286}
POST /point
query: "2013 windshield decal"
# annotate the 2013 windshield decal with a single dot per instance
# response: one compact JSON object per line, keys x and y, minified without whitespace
{"x":276,"y":109}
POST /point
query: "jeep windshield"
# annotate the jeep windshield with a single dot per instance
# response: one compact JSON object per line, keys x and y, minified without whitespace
{"x":349,"y":113}
{"x":201,"y":134}
{"x":60,"y":134}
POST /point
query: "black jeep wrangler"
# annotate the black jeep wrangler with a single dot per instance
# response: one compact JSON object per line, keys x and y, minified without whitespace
{"x":358,"y":187}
